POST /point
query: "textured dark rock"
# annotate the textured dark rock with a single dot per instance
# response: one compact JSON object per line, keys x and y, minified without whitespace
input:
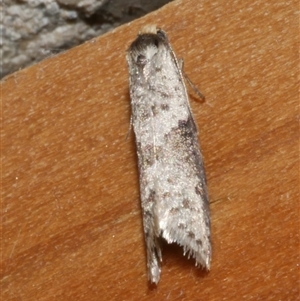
{"x":32,"y":30}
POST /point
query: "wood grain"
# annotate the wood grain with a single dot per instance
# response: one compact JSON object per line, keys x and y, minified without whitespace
{"x":71,"y":218}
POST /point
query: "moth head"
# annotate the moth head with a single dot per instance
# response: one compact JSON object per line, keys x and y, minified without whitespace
{"x":147,"y":45}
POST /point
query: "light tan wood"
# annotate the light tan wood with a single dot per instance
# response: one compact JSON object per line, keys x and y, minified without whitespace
{"x":71,"y":218}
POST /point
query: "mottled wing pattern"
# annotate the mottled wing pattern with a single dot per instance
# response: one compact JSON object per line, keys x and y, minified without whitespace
{"x":172,"y":178}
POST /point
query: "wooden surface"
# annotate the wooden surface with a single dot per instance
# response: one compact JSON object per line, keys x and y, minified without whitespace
{"x":71,"y":218}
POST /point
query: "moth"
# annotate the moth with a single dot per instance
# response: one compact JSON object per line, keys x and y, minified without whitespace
{"x":173,"y":188}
